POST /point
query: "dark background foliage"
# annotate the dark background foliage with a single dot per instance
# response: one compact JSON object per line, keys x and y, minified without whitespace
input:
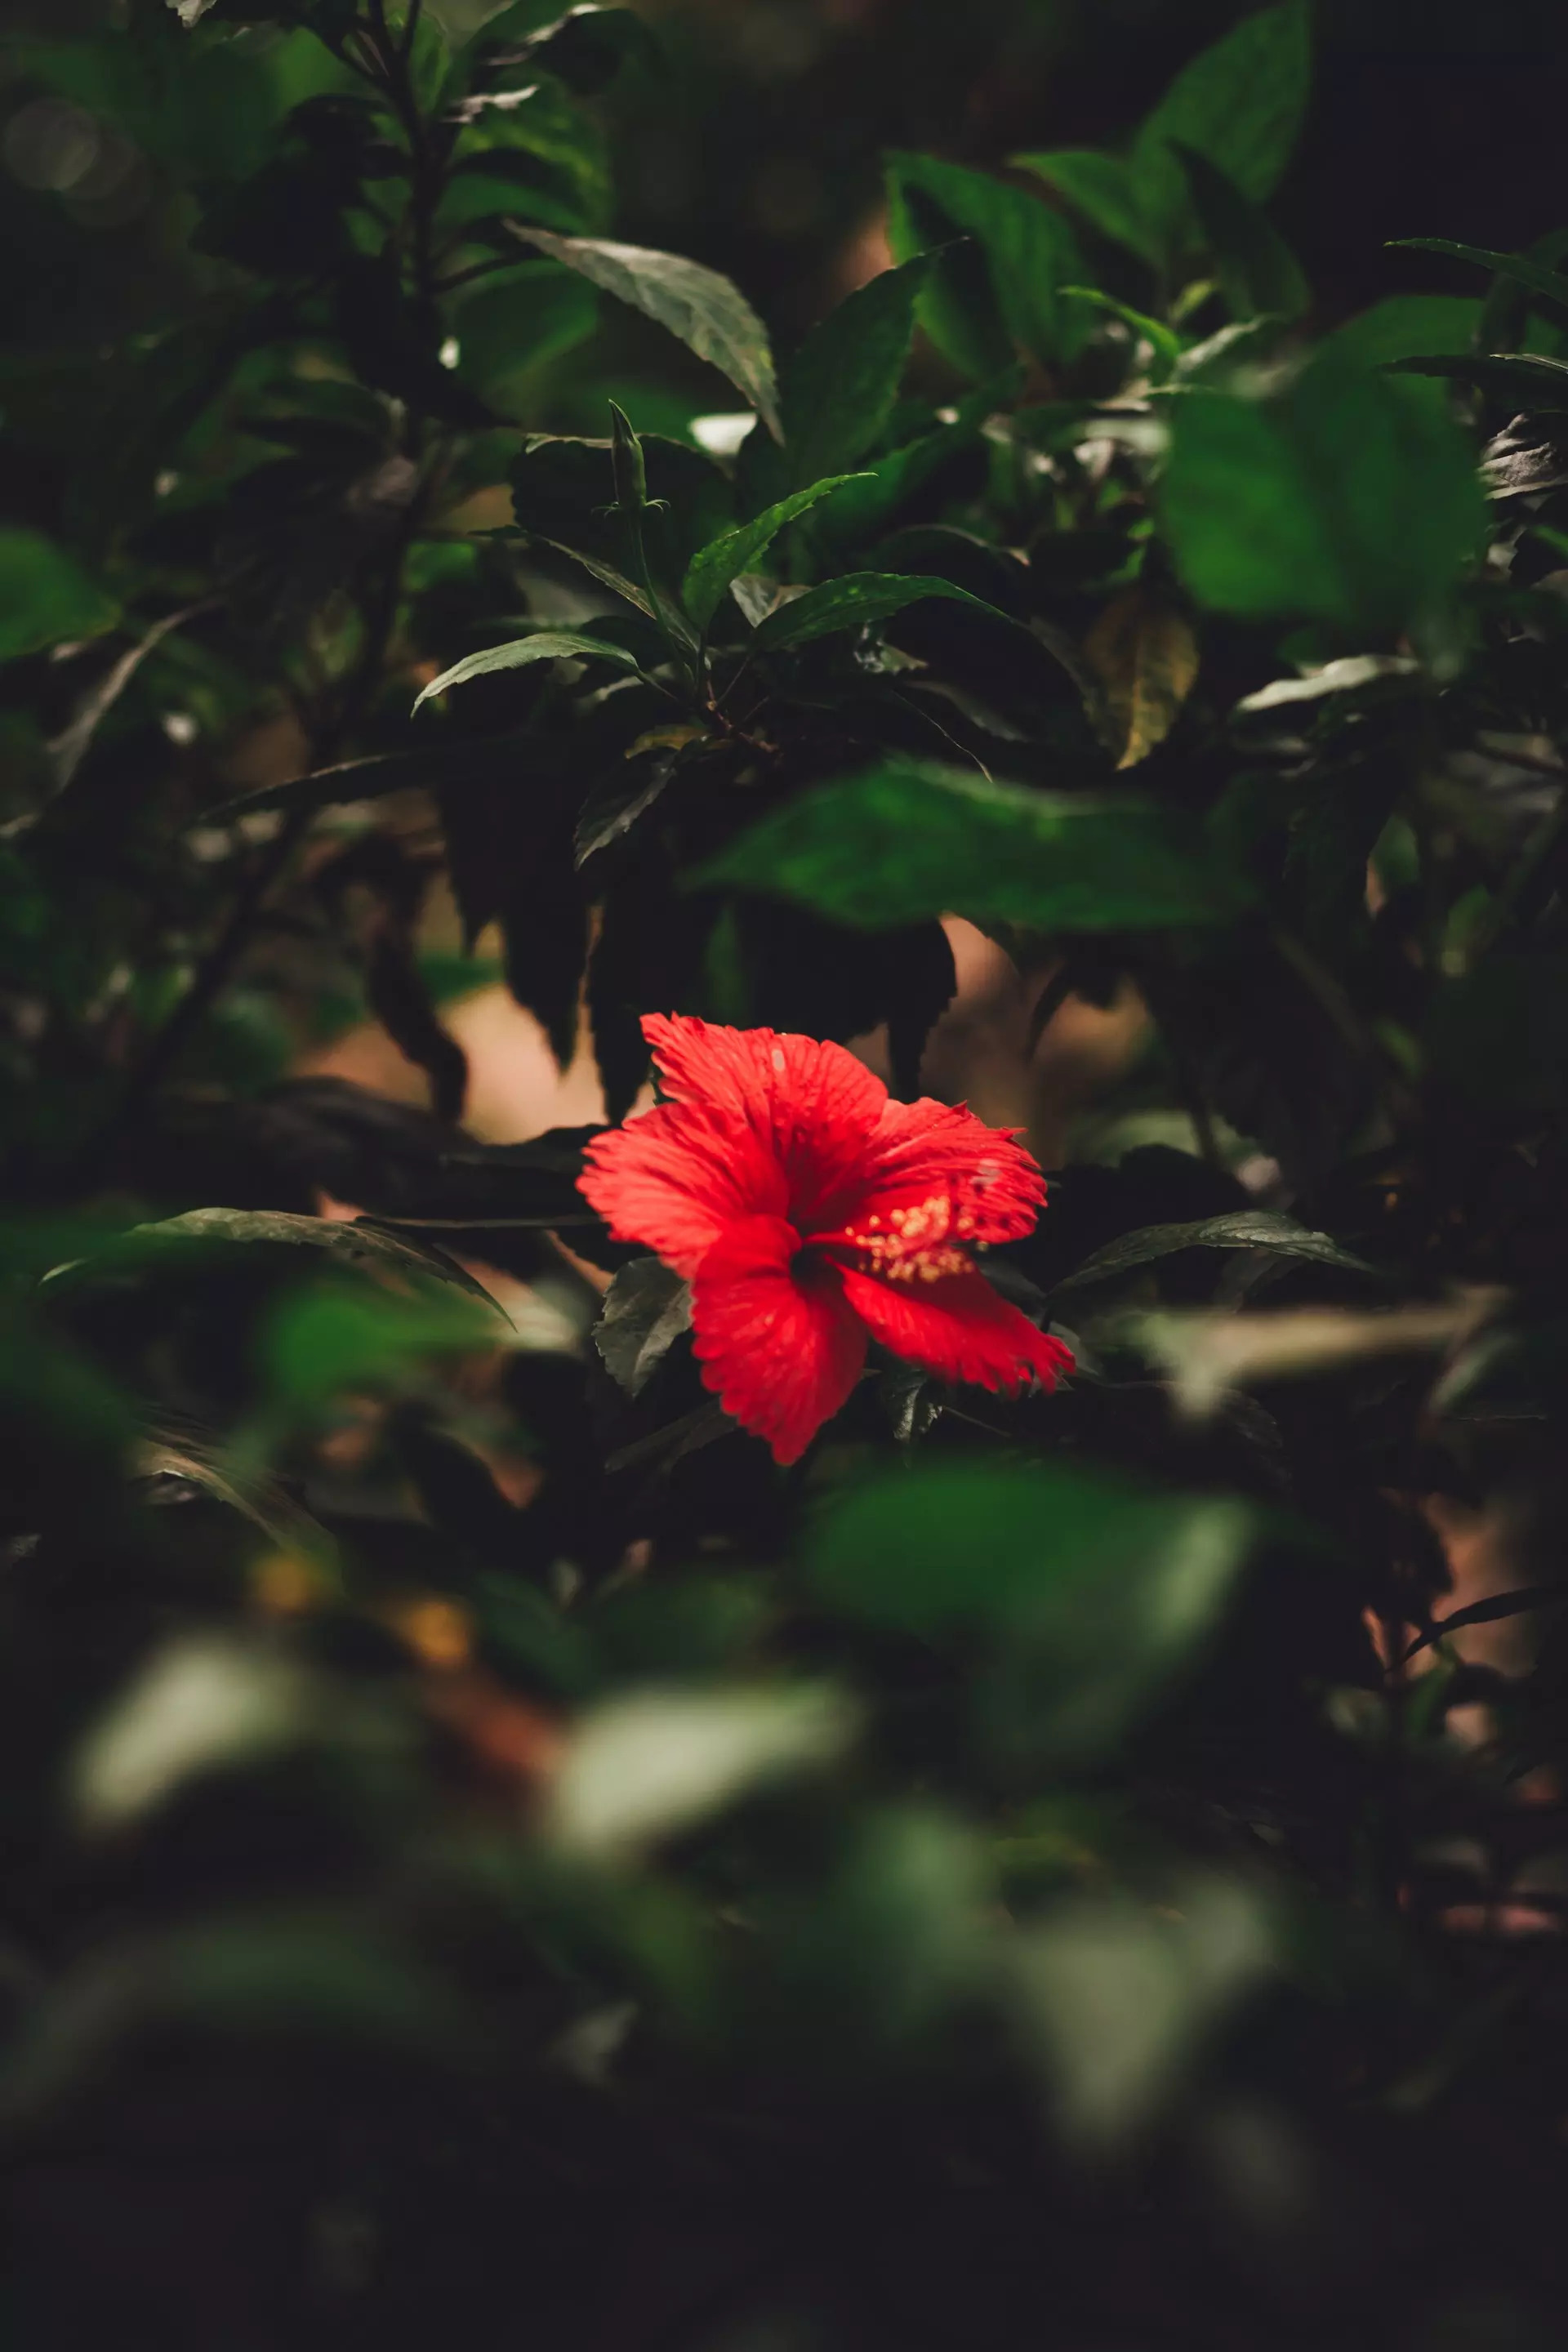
{"x":480,"y":1849}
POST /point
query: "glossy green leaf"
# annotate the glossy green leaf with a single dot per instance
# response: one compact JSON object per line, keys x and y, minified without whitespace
{"x":724,"y":558}
{"x":1240,"y":104}
{"x":45,"y":597}
{"x":1249,"y":1229}
{"x":709,"y":314}
{"x":906,"y":842}
{"x":1345,"y":499}
{"x":546,"y":645}
{"x":854,"y":602}
{"x":839,"y":388}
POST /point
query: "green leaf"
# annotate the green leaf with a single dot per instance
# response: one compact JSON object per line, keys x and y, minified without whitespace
{"x":1405,"y":325}
{"x":1343,"y":500}
{"x":1240,"y":104}
{"x":546,"y":644}
{"x":907,"y":841}
{"x":1104,"y":189}
{"x":1250,"y":1229}
{"x":1030,"y":250}
{"x":1162,"y":341}
{"x":1550,"y":287}
{"x":724,"y":558}
{"x":646,"y":1309}
{"x":703,"y":310}
{"x":839,"y":388}
{"x":1104,"y":1589}
{"x":1257,"y":272}
{"x":46,"y":598}
{"x":852,"y":602}
{"x":321,"y":1343}
{"x":1536,"y":386}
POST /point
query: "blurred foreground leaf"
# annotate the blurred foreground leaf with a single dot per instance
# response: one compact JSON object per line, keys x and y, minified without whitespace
{"x":653,"y":1765}
{"x":1102,"y":1590}
{"x":1120,"y":1997}
{"x":46,"y":598}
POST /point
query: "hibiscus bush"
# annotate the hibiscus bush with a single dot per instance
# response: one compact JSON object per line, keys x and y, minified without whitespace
{"x":756,"y":1724}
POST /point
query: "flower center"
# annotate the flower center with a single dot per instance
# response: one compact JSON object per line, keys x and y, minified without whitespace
{"x":919,"y":1243}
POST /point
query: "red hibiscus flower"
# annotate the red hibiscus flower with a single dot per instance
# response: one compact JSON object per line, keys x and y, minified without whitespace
{"x":811,"y":1214}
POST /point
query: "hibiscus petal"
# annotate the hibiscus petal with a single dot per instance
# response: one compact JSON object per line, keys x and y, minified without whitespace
{"x":672,"y":1179}
{"x":925,"y":1152}
{"x":776,"y":1342}
{"x":811,"y":1104}
{"x":959,"y":1328}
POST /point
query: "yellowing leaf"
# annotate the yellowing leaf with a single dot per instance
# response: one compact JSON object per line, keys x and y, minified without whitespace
{"x":1144,"y":652}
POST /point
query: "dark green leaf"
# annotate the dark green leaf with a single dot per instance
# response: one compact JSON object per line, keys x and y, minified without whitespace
{"x":1240,"y":104}
{"x":1257,"y":272}
{"x":546,"y":644}
{"x":1550,"y":287}
{"x":648,"y":1308}
{"x":1030,"y":250}
{"x":724,"y":558}
{"x":383,"y":773}
{"x":839,"y":388}
{"x":46,"y":598}
{"x":357,"y":1242}
{"x":1102,"y":187}
{"x":1493,"y":1610}
{"x":587,"y":47}
{"x":1534,"y":386}
{"x":1250,"y":1229}
{"x":853,"y":602}
{"x":615,"y":804}
{"x":906,"y":842}
{"x":703,"y":310}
